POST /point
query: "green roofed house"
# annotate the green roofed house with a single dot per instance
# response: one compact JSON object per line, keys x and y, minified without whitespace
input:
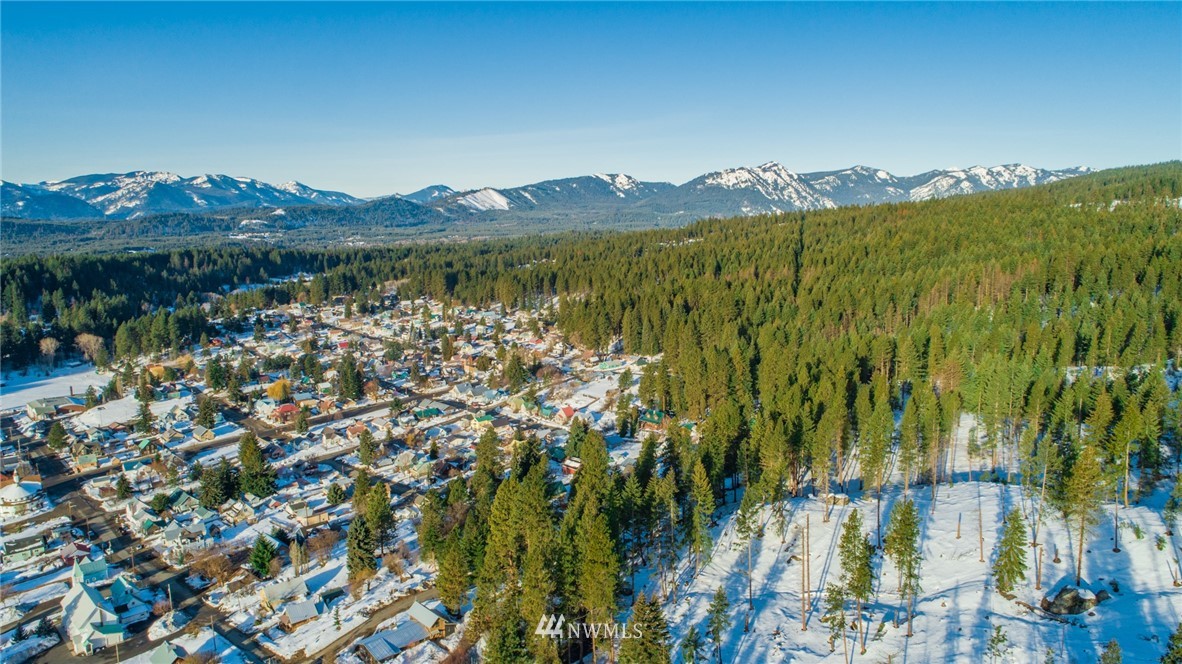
{"x":166,"y":653}
{"x":651,"y":420}
{"x":90,"y":571}
{"x":427,"y":413}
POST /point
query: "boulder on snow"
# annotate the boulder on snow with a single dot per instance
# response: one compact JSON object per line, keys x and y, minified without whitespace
{"x":1070,"y":600}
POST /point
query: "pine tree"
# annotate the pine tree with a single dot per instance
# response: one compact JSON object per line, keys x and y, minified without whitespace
{"x":487,"y":473}
{"x":349,"y":379}
{"x":261,"y":556}
{"x":360,"y":560}
{"x":453,"y":578}
{"x":651,"y":643}
{"x":747,"y":528}
{"x":691,"y":645}
{"x":718,"y":619}
{"x":599,"y":570}
{"x":366,"y":448}
{"x":703,"y":510}
{"x":143,"y":422}
{"x":378,"y":515}
{"x":336,"y":495}
{"x":835,"y":614}
{"x":902,"y":545}
{"x":303,"y":420}
{"x":1009,"y":567}
{"x":361,"y":488}
{"x":1083,"y":493}
{"x":122,"y":487}
{"x":256,"y":475}
{"x":1111,"y":654}
{"x":206,"y":412}
{"x":857,"y":569}
{"x":1173,"y":654}
{"x":57,"y":436}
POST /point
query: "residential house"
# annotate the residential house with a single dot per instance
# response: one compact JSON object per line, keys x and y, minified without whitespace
{"x":132,"y":603}
{"x":275,"y":594}
{"x":306,"y":515}
{"x":74,"y":552}
{"x":19,"y":549}
{"x":297,"y":613}
{"x":166,"y":653}
{"x":422,"y":623}
{"x":203,"y":434}
{"x":90,"y":571}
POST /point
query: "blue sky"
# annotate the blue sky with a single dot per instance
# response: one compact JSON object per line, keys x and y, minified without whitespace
{"x":380,"y":98}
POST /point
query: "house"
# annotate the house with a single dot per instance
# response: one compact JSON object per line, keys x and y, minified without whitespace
{"x":74,"y":552}
{"x":285,"y":413}
{"x":182,"y":501}
{"x":274,"y":595}
{"x":18,"y":549}
{"x":89,"y":620}
{"x":652,"y":420}
{"x":132,"y":603}
{"x":238,"y":511}
{"x":566,"y":414}
{"x":422,"y":623}
{"x":306,"y":515}
{"x":202,"y":434}
{"x":298,"y":613}
{"x":166,"y":653}
{"x":90,"y":571}
{"x":86,"y":462}
{"x":437,"y":623}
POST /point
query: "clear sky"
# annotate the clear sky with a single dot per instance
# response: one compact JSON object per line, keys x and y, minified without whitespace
{"x":380,"y":98}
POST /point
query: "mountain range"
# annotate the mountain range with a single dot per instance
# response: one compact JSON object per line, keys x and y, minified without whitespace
{"x":736,"y":191}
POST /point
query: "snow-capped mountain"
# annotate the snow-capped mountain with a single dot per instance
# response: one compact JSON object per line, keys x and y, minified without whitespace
{"x":429,"y":194}
{"x":600,"y":191}
{"x":954,"y":181}
{"x":600,"y":198}
{"x":860,"y":185}
{"x":140,"y":193}
{"x":34,"y":203}
{"x":744,"y":190}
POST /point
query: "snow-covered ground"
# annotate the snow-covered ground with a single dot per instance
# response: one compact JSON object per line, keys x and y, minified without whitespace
{"x":19,"y":389}
{"x":958,"y":606}
{"x":16,"y":652}
{"x":170,"y":623}
{"x":126,"y":410}
{"x":206,"y":642}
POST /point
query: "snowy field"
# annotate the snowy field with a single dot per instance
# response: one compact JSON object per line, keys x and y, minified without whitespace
{"x":958,"y":607}
{"x":19,"y":389}
{"x":126,"y":410}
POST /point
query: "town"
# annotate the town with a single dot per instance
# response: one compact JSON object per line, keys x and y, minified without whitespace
{"x":193,"y":506}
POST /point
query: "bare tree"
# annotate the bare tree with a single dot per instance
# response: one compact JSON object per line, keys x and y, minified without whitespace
{"x":89,"y":344}
{"x":49,"y":347}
